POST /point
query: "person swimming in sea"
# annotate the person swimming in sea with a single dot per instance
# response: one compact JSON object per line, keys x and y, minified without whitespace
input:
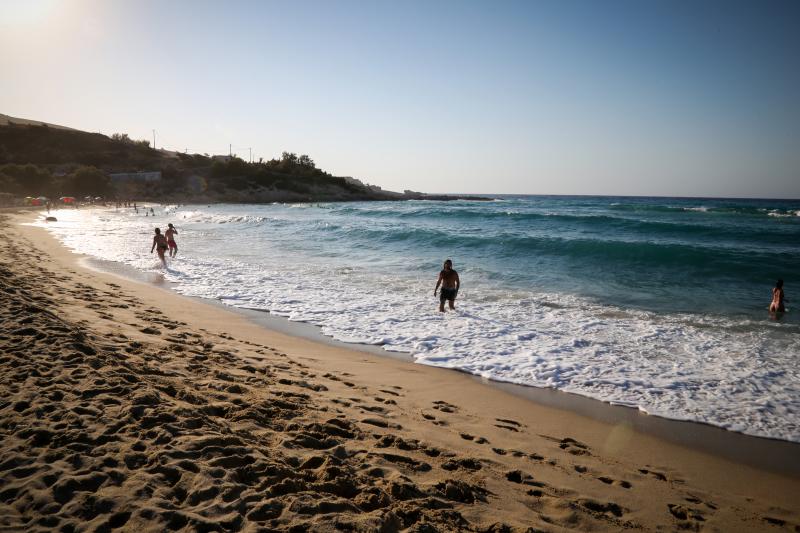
{"x":170,"y":234}
{"x":161,"y":242}
{"x":777,"y":305}
{"x":450,"y":282}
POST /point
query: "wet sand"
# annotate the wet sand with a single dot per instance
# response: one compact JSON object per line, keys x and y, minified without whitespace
{"x":127,"y":406}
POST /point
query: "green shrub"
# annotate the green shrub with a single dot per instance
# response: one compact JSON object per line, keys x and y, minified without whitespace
{"x":28,"y":180}
{"x":88,"y":181}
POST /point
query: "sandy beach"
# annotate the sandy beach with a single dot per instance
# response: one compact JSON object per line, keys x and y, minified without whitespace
{"x":126,"y":406}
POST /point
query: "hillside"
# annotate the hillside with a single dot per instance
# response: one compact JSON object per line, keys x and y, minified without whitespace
{"x":6,"y":119}
{"x":37,"y":158}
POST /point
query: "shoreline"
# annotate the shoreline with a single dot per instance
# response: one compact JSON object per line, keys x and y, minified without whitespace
{"x":774,"y":455}
{"x":358,"y":439}
{"x":304,"y":330}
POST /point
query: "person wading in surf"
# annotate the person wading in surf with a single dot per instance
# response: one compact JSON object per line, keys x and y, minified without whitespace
{"x":161,"y":242}
{"x":777,"y":305}
{"x":170,"y":234}
{"x":448,"y":279}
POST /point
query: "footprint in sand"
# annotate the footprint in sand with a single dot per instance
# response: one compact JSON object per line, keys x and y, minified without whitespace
{"x":573,"y":446}
{"x":611,"y":481}
{"x":385,"y":401}
{"x":657,"y":475}
{"x":465,"y":464}
{"x":688,"y":517}
{"x":405,"y":461}
{"x":602,"y":508}
{"x":444,"y":407}
{"x":387,"y":441}
{"x":695,"y":500}
{"x":375,"y":409}
{"x":460,"y":491}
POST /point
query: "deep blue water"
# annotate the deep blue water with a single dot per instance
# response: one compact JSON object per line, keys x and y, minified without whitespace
{"x":659,"y":254}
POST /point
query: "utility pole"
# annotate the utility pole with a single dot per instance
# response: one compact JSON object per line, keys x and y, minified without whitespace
{"x":230,"y":150}
{"x":251,"y":154}
{"x":154,"y":139}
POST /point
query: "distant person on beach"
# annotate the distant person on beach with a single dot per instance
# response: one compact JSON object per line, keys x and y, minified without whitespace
{"x":173,"y":246}
{"x":448,"y":279}
{"x":777,"y":298}
{"x":161,"y":242}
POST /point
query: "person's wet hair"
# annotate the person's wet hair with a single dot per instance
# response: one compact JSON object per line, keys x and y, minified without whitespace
{"x":779,"y":284}
{"x":158,"y":231}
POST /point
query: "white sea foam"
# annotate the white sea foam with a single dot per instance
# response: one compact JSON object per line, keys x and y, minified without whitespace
{"x":782,"y":214}
{"x":731,"y":373}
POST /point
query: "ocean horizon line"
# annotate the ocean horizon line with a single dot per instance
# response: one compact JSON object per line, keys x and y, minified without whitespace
{"x":662,"y":197}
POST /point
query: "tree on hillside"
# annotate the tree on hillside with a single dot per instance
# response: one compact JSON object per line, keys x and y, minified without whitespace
{"x":24,"y":179}
{"x":88,"y":181}
{"x":233,"y":167}
{"x":123,"y":138}
{"x":305,"y":161}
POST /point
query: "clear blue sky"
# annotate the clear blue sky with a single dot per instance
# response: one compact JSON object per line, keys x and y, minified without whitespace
{"x":553,"y":97}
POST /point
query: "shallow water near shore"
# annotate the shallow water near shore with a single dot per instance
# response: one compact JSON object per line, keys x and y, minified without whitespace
{"x":658,"y":304}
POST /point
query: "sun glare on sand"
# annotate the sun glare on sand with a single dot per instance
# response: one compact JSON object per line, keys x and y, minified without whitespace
{"x":23,"y":12}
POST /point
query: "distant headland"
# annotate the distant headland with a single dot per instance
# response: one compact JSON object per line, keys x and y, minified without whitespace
{"x":42,"y":159}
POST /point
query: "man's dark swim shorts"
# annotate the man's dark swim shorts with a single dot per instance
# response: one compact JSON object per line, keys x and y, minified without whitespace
{"x":447,"y":294}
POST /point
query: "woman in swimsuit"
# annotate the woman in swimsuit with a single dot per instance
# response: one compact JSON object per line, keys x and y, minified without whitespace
{"x":777,"y":298}
{"x":161,"y":242}
{"x":173,"y":246}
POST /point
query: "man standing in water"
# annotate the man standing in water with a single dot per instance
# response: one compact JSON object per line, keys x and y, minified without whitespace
{"x":170,"y":234}
{"x":448,"y":279}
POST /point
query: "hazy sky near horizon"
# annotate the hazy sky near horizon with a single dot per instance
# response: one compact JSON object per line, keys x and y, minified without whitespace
{"x":543,"y":97}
